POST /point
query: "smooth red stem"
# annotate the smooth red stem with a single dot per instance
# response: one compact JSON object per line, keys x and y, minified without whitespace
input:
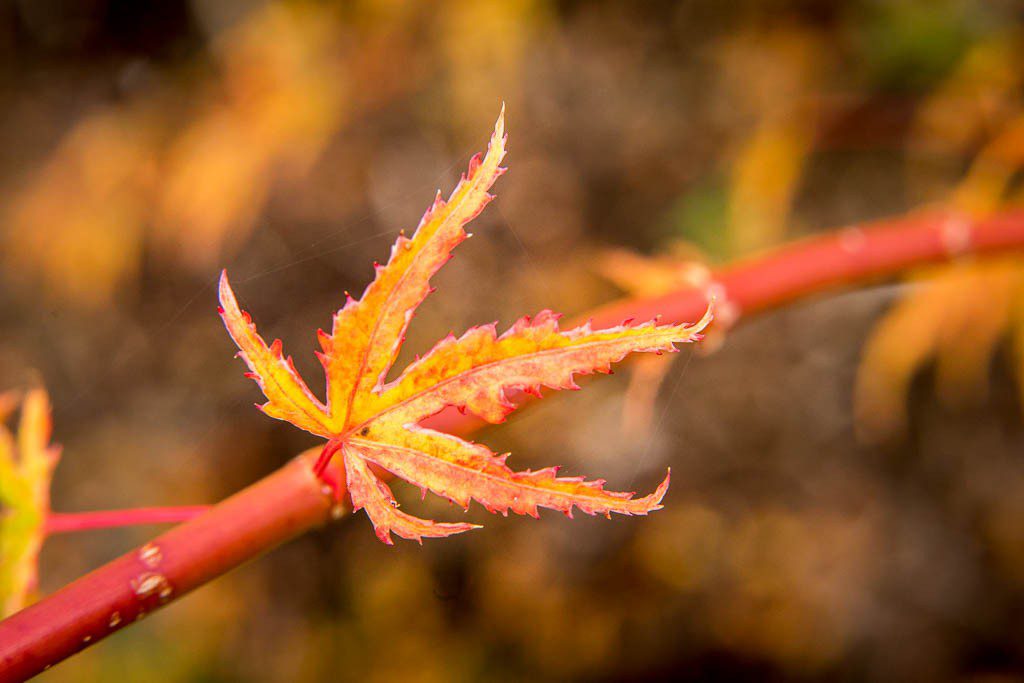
{"x":64,"y":522}
{"x":293,"y":499}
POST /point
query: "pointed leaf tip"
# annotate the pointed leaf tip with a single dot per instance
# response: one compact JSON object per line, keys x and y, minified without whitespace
{"x":288,"y":397}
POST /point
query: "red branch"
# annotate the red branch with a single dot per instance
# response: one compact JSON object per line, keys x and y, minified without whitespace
{"x":285,"y":504}
{"x":853,"y":255}
{"x":292,"y":500}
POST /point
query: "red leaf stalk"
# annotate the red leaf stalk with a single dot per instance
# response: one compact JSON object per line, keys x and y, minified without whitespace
{"x":64,"y":522}
{"x":292,"y":500}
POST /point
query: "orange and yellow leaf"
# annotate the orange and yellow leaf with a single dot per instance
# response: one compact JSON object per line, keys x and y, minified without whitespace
{"x":372,"y":421}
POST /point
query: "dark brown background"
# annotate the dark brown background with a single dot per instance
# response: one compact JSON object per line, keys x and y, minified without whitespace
{"x":143,"y":146}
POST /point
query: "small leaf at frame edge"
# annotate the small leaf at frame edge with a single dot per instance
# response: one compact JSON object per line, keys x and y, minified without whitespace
{"x":27,"y":461}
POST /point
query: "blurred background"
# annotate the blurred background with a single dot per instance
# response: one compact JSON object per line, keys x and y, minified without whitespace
{"x":848,"y":474}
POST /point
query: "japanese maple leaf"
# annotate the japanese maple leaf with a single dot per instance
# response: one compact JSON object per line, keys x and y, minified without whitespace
{"x":371,"y":421}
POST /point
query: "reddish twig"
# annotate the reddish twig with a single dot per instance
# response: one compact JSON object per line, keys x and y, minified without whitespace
{"x":63,"y":522}
{"x":293,"y":499}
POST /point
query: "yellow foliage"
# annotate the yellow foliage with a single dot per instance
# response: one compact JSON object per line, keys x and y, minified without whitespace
{"x":78,"y":225}
{"x":972,"y":105}
{"x":483,"y":68}
{"x":955,"y":316}
{"x":26,"y":465}
{"x":279,"y":101}
{"x":984,"y":189}
{"x":772,"y":74}
{"x":764,"y":182}
{"x":128,"y":173}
